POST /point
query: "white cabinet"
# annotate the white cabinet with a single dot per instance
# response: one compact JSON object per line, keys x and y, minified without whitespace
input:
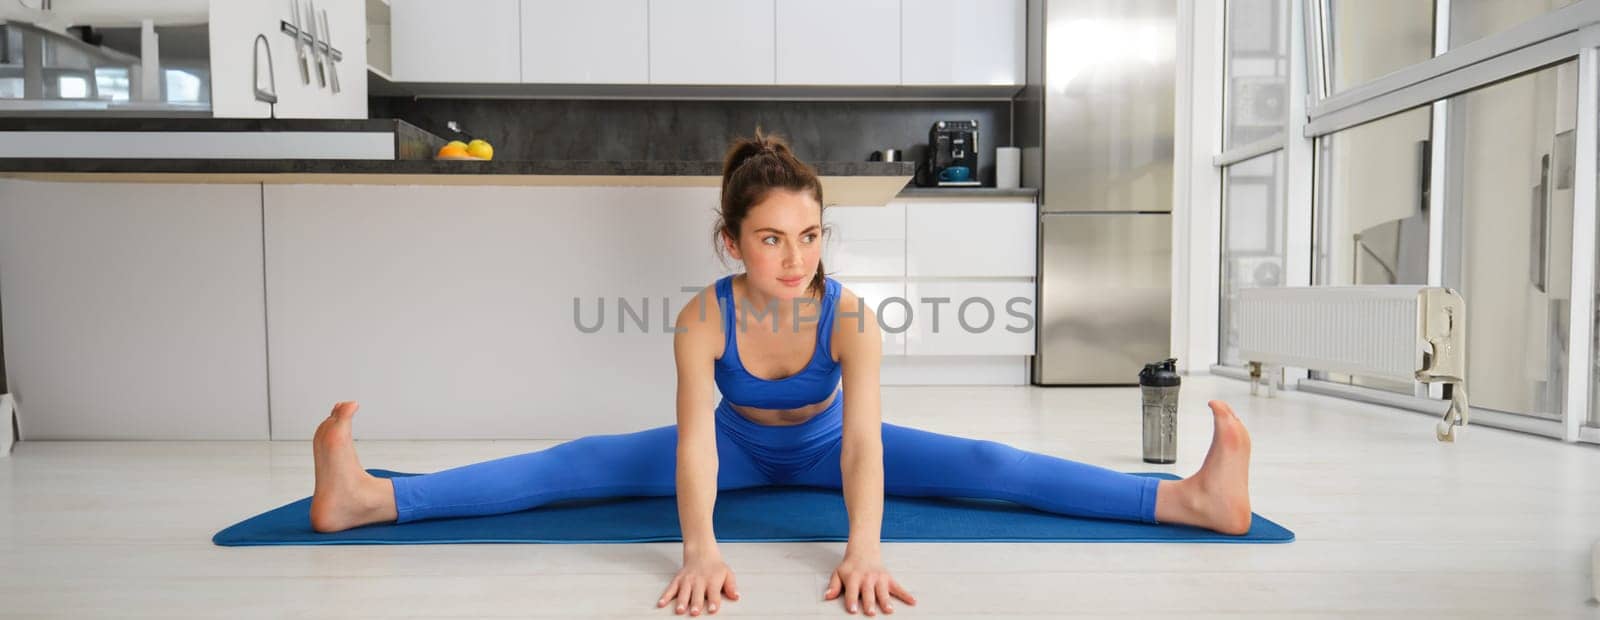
{"x":711,"y":41}
{"x":468,"y":42}
{"x":865,"y":252}
{"x":233,"y":59}
{"x":865,"y":241}
{"x":881,"y":297}
{"x":838,"y":41}
{"x":970,"y":317}
{"x":970,"y":268}
{"x":134,"y":310}
{"x":440,"y":310}
{"x":589,"y":42}
{"x":972,"y":260}
{"x":971,"y":239}
{"x":966,"y":42}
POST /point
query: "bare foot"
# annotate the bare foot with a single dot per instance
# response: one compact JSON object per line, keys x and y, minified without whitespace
{"x":1218,"y":496}
{"x":346,"y":495}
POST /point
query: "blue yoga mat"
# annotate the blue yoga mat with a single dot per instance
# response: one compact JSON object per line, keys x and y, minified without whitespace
{"x":773,"y":514}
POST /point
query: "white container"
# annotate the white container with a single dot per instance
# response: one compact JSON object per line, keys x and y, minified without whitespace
{"x":1594,"y":570}
{"x":1007,"y":167}
{"x":6,"y":407}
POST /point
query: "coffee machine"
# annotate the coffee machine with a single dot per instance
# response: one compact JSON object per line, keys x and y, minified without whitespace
{"x":952,"y":159}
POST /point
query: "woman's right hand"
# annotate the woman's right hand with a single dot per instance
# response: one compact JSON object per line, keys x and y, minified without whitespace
{"x":700,"y":585}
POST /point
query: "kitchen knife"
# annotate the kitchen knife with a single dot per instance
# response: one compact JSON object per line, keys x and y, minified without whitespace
{"x":317,"y":52}
{"x":327,"y":38}
{"x":299,"y":43}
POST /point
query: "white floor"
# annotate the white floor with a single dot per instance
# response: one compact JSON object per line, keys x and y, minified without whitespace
{"x":1389,"y":524}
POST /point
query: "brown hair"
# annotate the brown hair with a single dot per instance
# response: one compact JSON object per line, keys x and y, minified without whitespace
{"x":753,"y":167}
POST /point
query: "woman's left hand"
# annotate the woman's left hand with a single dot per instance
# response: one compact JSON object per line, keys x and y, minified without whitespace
{"x":866,"y":585}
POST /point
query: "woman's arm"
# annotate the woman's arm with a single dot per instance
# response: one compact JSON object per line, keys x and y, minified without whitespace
{"x":694,"y":349}
{"x":861,"y":577}
{"x":704,"y":578}
{"x":861,"y":460}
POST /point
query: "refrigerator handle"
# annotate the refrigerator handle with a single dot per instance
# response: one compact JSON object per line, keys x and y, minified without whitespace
{"x":1424,"y":174}
{"x":1538,"y":247}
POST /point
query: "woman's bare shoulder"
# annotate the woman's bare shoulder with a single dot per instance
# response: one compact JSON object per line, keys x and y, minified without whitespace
{"x":699,"y":322}
{"x":855,"y":325}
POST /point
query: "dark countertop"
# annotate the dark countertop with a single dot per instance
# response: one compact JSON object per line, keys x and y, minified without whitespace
{"x":414,"y":149}
{"x":855,"y":183}
{"x":424,"y":166}
{"x":410,"y":141}
{"x":967,"y":192}
{"x":198,"y":124}
{"x":849,"y":182}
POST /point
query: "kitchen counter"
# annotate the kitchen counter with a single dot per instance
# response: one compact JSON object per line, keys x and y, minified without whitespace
{"x":844,"y":182}
{"x":967,"y":192}
{"x":652,"y":168}
{"x":855,"y":183}
{"x":214,"y":138}
{"x":198,"y":124}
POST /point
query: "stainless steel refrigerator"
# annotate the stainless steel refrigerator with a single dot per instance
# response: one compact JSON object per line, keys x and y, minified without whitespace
{"x":1096,"y":126}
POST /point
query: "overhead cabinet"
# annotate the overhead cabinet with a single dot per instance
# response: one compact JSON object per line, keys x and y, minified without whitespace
{"x":889,"y":43}
{"x":463,"y":42}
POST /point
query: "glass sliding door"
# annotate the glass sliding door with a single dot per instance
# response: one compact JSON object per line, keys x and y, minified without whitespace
{"x":1371,"y":206}
{"x":1471,"y":20}
{"x":1372,"y":38}
{"x":1509,"y":246}
{"x":1252,"y":240}
{"x":1257,"y":71}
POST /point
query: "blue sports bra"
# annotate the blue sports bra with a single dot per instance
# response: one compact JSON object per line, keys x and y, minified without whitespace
{"x":813,"y":384}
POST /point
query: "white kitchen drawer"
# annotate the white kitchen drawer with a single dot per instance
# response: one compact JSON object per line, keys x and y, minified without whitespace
{"x":589,"y":42}
{"x":712,"y":42}
{"x":436,"y":41}
{"x":866,"y":241}
{"x":878,"y":222}
{"x":952,"y":338}
{"x":838,"y":41}
{"x":971,"y":239}
{"x":865,"y":258}
{"x":893,"y":315}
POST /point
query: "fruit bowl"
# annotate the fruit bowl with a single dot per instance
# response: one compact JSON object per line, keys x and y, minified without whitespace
{"x":478,"y":149}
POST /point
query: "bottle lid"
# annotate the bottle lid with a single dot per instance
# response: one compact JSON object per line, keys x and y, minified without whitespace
{"x":1160,"y":374}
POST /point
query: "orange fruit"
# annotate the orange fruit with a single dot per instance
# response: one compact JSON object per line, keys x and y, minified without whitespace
{"x":452,"y":150}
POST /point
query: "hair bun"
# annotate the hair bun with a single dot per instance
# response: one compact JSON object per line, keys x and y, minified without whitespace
{"x":745,"y":149}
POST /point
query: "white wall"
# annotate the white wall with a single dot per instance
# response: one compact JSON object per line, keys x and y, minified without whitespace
{"x":234,"y":26}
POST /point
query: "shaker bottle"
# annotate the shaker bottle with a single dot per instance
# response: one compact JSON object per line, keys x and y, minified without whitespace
{"x":1158,"y":387}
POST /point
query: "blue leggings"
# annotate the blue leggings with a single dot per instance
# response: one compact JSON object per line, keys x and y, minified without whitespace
{"x":644,"y":463}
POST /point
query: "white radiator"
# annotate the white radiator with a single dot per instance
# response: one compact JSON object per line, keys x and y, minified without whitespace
{"x":1402,"y":332}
